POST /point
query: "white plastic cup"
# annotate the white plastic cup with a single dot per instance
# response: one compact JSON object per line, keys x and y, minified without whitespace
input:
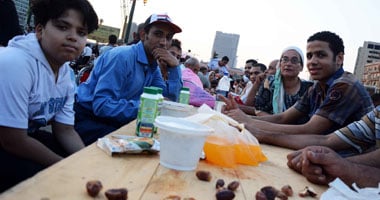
{"x":174,"y":109}
{"x":181,"y":142}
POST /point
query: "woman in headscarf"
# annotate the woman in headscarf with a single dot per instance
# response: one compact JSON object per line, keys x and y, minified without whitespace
{"x":286,"y":88}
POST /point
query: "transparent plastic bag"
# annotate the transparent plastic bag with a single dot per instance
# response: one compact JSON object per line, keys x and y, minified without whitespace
{"x":230,"y":144}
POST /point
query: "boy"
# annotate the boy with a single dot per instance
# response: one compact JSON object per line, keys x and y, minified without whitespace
{"x":336,"y":99}
{"x":36,"y":89}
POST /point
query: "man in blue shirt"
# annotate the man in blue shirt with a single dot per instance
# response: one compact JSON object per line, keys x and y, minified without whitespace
{"x":111,"y":96}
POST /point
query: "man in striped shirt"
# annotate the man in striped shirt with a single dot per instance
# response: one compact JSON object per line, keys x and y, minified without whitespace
{"x":321,"y":164}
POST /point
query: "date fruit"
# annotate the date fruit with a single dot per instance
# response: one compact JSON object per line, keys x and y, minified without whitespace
{"x":225,"y":195}
{"x":308,"y":191}
{"x":203,"y":175}
{"x":93,"y":187}
{"x":233,"y":185}
{"x":270,"y":192}
{"x":117,"y":194}
{"x":219,"y":183}
{"x":260,"y":196}
{"x":287,"y":190}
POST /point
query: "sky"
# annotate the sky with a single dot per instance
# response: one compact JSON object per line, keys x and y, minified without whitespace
{"x":265,"y":27}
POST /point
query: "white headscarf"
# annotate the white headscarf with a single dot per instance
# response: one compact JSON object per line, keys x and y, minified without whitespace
{"x":278,"y":94}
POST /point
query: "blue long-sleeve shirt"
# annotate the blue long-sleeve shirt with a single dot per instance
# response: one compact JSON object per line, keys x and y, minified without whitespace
{"x":117,"y":81}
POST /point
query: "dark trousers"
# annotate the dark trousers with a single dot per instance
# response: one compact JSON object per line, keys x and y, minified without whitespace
{"x":14,"y":169}
{"x":90,"y":127}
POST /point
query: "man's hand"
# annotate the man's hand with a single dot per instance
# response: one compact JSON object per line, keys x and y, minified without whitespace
{"x":230,"y":102}
{"x":318,"y":164}
{"x":165,"y":58}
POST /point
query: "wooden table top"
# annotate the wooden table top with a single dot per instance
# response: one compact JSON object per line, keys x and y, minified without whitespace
{"x":146,"y":179}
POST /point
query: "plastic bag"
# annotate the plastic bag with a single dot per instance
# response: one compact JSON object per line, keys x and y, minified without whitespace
{"x":117,"y":144}
{"x":230,"y":144}
{"x":340,"y":191}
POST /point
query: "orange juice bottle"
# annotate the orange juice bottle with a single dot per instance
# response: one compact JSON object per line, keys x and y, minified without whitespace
{"x":219,"y":151}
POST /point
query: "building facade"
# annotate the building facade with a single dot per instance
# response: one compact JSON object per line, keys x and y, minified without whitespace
{"x":371,"y":76}
{"x":367,"y":54}
{"x":22,"y":7}
{"x":226,"y":44}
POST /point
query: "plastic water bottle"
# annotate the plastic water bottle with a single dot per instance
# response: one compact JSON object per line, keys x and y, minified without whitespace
{"x":160,"y":99}
{"x":147,"y":113}
{"x":184,"y":95}
{"x":222,"y":89}
{"x":160,"y":102}
{"x":223,"y":86}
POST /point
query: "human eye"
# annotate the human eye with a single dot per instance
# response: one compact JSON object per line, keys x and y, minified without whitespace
{"x":294,"y":60}
{"x":82,"y":32}
{"x":158,"y":34}
{"x":309,"y":56}
{"x":321,"y":54}
{"x":169,"y":37}
{"x":61,"y":27}
{"x":284,"y":59}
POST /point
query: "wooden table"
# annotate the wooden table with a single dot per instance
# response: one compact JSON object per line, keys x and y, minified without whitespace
{"x":145,"y":178}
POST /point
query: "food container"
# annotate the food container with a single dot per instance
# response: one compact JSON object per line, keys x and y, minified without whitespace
{"x":181,"y":142}
{"x":174,"y":109}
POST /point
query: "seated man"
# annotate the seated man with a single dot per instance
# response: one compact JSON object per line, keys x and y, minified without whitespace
{"x":198,"y":95}
{"x":336,"y":99}
{"x":220,"y":65}
{"x":255,"y":69}
{"x":110,"y":97}
{"x":356,"y":138}
{"x":37,"y":89}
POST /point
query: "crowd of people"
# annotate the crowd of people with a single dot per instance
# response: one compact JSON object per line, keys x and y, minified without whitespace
{"x":329,"y":120}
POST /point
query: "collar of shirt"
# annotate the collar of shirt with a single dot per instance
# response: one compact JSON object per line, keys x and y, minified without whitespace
{"x":335,"y":76}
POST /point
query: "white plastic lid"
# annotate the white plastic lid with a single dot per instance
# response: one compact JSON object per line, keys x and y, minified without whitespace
{"x":182,"y":126}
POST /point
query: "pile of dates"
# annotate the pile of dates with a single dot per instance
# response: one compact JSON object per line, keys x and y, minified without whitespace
{"x":222,"y":192}
{"x":93,"y":188}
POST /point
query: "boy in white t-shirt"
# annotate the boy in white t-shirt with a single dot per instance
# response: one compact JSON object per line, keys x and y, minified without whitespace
{"x":36,"y":89}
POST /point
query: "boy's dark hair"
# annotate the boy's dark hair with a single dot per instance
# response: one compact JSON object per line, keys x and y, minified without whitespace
{"x":176,"y":43}
{"x":335,"y":42}
{"x":45,"y":10}
{"x":253,"y":61}
{"x":261,"y":65}
{"x":112,"y":39}
{"x":225,"y":58}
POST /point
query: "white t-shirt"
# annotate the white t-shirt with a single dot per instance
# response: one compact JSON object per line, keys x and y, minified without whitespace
{"x":29,"y":94}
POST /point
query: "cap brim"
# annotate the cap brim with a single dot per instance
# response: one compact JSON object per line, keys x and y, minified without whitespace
{"x":175,"y":28}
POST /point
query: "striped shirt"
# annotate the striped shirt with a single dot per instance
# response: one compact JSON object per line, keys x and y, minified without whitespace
{"x":363,"y":134}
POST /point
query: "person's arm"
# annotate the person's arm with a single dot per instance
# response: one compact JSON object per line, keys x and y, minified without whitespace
{"x":251,"y":97}
{"x":276,"y":123}
{"x":301,"y":141}
{"x":249,"y":110}
{"x":333,"y":166}
{"x":114,"y":87}
{"x":67,"y":137}
{"x":17,"y":142}
{"x":171,"y":87}
{"x":369,"y":159}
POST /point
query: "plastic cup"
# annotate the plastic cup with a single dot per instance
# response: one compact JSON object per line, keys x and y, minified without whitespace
{"x":181,"y":142}
{"x":174,"y":109}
